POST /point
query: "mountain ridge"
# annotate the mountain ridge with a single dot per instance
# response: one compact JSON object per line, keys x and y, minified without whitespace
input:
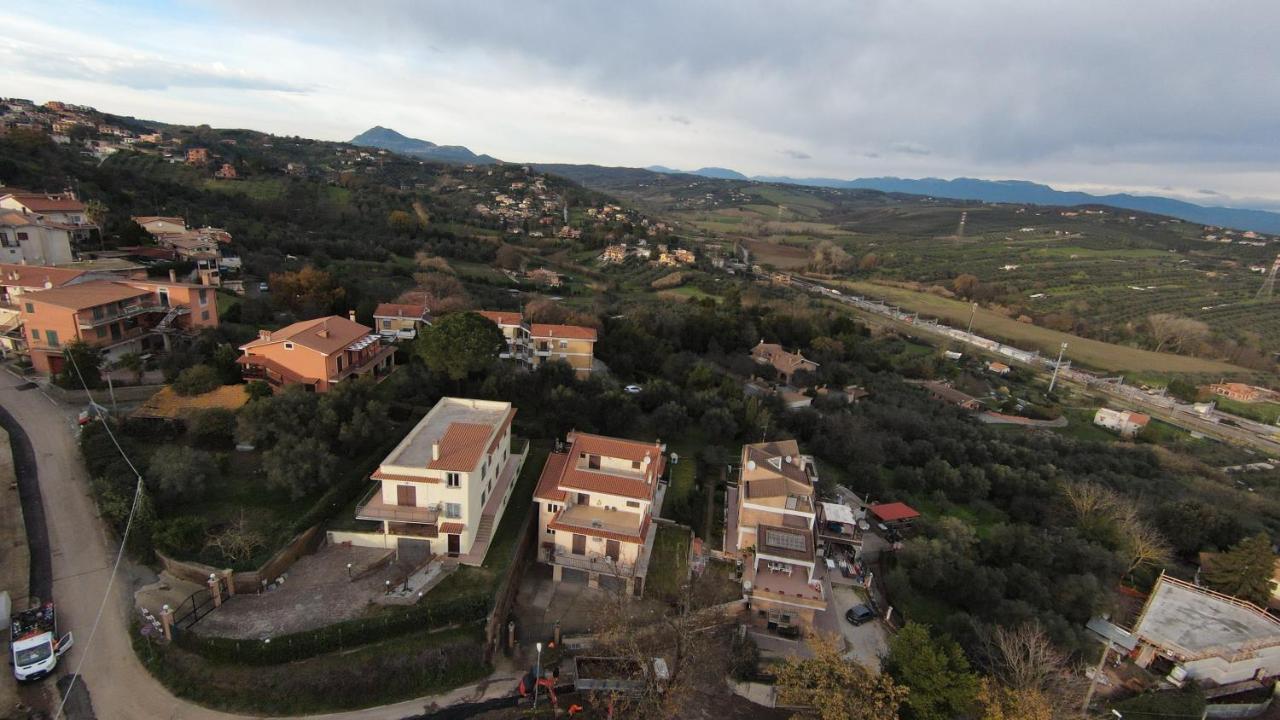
{"x":386,"y":138}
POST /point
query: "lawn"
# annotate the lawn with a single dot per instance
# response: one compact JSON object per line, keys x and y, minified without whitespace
{"x":1080,"y":426}
{"x":688,"y":292}
{"x":669,"y":564}
{"x":1086,"y":351}
{"x":1263,"y":412}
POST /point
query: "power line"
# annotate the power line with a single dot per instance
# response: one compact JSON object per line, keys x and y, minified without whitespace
{"x":124,"y":537}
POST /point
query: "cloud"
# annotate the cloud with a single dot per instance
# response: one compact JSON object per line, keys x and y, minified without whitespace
{"x":681,"y":119}
{"x":1213,"y":193}
{"x":910,"y":148}
{"x":796,"y":154}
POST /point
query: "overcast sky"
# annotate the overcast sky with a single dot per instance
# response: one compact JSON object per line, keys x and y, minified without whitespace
{"x":1170,"y":97}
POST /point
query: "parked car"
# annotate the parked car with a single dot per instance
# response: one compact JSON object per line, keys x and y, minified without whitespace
{"x":633,"y":389}
{"x":859,"y":614}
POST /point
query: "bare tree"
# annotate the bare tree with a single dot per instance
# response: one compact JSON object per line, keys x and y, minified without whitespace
{"x":237,"y":542}
{"x":1142,"y":543}
{"x":1176,"y":333}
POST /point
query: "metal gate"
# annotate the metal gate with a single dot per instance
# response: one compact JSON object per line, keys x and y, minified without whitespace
{"x":196,"y":606}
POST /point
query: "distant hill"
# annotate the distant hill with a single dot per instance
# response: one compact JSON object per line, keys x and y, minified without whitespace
{"x":1022,"y":191}
{"x":388,"y":139}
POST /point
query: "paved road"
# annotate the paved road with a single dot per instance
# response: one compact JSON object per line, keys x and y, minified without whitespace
{"x":82,"y":555}
{"x":40,"y":584}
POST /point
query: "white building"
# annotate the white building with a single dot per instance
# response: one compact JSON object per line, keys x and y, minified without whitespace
{"x":27,"y":239}
{"x":1127,"y":423}
{"x":444,"y":488}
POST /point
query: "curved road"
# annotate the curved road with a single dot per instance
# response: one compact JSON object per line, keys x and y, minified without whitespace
{"x":82,"y":554}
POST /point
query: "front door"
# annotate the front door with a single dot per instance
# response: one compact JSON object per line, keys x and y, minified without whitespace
{"x":406,"y":495}
{"x":611,"y":549}
{"x":455,"y":544}
{"x":579,"y":544}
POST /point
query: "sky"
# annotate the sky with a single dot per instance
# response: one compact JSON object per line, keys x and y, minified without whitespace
{"x":1171,"y":97}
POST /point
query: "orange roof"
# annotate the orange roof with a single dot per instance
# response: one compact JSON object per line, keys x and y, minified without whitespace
{"x":144,"y":219}
{"x":461,"y":447}
{"x":49,"y":203}
{"x":87,"y":294}
{"x":572,"y":332}
{"x":13,"y":218}
{"x":1139,"y":418}
{"x":890,"y":512}
{"x":400,"y":310}
{"x":602,"y":481}
{"x":501,"y":317}
{"x":35,"y":276}
{"x":379,"y":475}
{"x":325,"y":335}
{"x":453,"y":528}
{"x":549,"y":481}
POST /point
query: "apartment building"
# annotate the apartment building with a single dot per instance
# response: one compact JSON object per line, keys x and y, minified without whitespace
{"x":536,"y":343}
{"x":596,"y":497}
{"x":317,"y":354}
{"x":771,"y":524}
{"x":444,"y":488}
{"x":60,"y":210}
{"x":115,"y":316}
{"x":400,"y":321}
{"x":32,"y":240}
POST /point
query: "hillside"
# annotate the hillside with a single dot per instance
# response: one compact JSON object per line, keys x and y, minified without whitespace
{"x":388,"y":139}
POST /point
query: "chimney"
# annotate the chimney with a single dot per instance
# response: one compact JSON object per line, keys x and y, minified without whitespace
{"x":351,"y":314}
{"x":435,"y":451}
{"x":173,"y":275}
{"x":264,"y":334}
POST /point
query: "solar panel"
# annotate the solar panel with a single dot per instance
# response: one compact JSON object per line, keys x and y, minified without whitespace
{"x":785,"y":540}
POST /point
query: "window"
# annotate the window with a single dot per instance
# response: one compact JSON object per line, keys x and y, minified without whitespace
{"x":22,"y":236}
{"x":584,"y":499}
{"x":633,"y":503}
{"x":204,"y":297}
{"x":579,"y":544}
{"x":339,"y":363}
{"x":100,"y":332}
{"x":453,"y":511}
{"x":4,"y":239}
{"x":35,"y":334}
{"x":593,"y":462}
{"x":635,"y":464}
{"x":550,"y":531}
{"x":563,"y":344}
{"x":51,"y":337}
{"x":482,"y":496}
{"x":453,"y":479}
{"x":288,"y":346}
{"x":204,"y":315}
{"x":31,"y":308}
{"x":386,"y":324}
{"x":552,"y":507}
{"x":97,"y":313}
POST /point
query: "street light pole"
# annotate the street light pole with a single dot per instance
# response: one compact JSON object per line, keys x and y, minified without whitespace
{"x":1057,"y":366}
{"x":973,"y":310}
{"x":536,"y":677}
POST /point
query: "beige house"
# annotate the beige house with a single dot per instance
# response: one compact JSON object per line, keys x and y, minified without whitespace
{"x":316,"y":354}
{"x":62,"y":210}
{"x":595,"y":503}
{"x":400,"y":321}
{"x":1126,"y":423}
{"x":786,"y":363}
{"x":536,"y":343}
{"x":444,"y":488}
{"x":27,"y":239}
{"x":772,"y":515}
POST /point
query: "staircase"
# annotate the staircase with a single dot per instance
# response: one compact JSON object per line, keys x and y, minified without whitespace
{"x":484,"y":531}
{"x":167,"y":321}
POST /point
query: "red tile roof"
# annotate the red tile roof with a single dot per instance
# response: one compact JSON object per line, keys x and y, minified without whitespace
{"x":453,"y":528}
{"x":502,"y":318}
{"x":601,"y":481}
{"x":400,"y":310}
{"x":568,"y":332}
{"x":34,"y":276}
{"x":461,"y":447}
{"x":49,"y":203}
{"x":325,"y":335}
{"x":87,"y":294}
{"x":891,"y":512}
{"x":379,"y":475}
{"x":549,"y":481}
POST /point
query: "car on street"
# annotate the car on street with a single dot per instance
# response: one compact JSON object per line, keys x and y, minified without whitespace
{"x":859,"y":614}
{"x":633,"y":389}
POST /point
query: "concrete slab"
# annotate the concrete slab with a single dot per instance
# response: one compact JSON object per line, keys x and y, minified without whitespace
{"x":1179,"y":615}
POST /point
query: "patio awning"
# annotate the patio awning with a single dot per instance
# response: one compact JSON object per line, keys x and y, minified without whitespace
{"x":835,"y":512}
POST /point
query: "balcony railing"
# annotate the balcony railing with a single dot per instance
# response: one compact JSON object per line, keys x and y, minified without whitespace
{"x":90,"y":322}
{"x":592,"y":563}
{"x":373,"y":507}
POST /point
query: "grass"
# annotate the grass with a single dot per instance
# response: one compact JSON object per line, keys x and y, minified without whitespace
{"x":258,"y":189}
{"x":688,"y":292}
{"x":1263,"y":412}
{"x":669,"y":564}
{"x":1086,"y":351}
{"x":1080,"y":426}
{"x":679,"y":503}
{"x":226,"y":301}
{"x":409,"y":666}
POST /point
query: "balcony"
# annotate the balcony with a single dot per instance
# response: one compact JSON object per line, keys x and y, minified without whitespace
{"x":88,"y":323}
{"x":598,"y":518}
{"x":373,"y":507}
{"x":784,"y":582}
{"x":591,"y":563}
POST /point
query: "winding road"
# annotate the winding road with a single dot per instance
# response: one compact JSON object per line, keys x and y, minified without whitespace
{"x":82,"y":555}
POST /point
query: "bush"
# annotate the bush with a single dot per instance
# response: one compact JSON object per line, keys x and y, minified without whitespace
{"x":212,"y":428}
{"x":179,"y":474}
{"x":181,"y":536}
{"x":196,"y":380}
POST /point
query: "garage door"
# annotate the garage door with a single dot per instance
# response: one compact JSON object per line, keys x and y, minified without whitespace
{"x":612,"y":583}
{"x":413,"y":551}
{"x":577,"y":577}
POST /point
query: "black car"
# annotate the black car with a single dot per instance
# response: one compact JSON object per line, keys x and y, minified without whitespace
{"x":859,"y":614}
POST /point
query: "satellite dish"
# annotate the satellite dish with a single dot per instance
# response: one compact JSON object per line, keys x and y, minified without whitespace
{"x":675,"y":458}
{"x":751,"y":464}
{"x":788,"y":459}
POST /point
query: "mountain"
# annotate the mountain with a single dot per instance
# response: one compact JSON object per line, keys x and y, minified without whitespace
{"x":1022,"y":191}
{"x":388,"y":139}
{"x":718,"y":173}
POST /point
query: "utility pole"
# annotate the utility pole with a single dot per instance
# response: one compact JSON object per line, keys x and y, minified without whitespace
{"x":972,"y":311}
{"x":1088,"y":695}
{"x":1056,"y":367}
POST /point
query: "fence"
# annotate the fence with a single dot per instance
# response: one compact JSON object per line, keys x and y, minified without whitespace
{"x":196,"y":606}
{"x":123,"y":393}
{"x":505,"y":597}
{"x":247,"y":581}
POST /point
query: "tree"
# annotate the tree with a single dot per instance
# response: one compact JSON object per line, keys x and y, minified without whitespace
{"x":197,"y":380}
{"x":401,"y":221}
{"x":1030,"y":674}
{"x":132,"y":362}
{"x":300,"y":465}
{"x":829,"y":687}
{"x":238,"y":541}
{"x":1244,"y":571}
{"x":1142,"y":544}
{"x":509,"y":258}
{"x":308,"y":292}
{"x":83,"y":364}
{"x":965,"y":285}
{"x":1176,"y":333}
{"x":212,"y":428}
{"x":719,"y":425}
{"x":936,"y":670}
{"x":829,"y":258}
{"x":1003,"y":703}
{"x":178,"y":473}
{"x":460,"y":344}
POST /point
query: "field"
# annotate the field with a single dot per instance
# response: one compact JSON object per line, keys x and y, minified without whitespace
{"x":1265,"y":412}
{"x":1086,"y":351}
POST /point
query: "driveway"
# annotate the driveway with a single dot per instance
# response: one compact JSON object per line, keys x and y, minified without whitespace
{"x":82,"y":557}
{"x":867,"y":643}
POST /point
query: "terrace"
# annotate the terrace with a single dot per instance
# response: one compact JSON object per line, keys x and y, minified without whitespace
{"x":373,"y":507}
{"x":598,"y":518}
{"x":785,"y":582}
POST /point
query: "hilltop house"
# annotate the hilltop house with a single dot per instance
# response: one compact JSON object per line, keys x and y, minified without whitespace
{"x":1127,"y":423}
{"x":946,"y":393}
{"x":316,"y":354}
{"x":595,"y":501}
{"x":535,"y":343}
{"x":444,"y":488}
{"x":400,"y":321}
{"x":772,"y":515}
{"x":1241,"y":392}
{"x":786,"y":363}
{"x":60,"y":210}
{"x":115,"y":316}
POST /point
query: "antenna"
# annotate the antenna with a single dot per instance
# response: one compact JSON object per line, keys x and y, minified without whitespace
{"x":1269,"y":285}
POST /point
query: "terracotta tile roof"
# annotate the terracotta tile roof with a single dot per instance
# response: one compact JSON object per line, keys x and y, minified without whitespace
{"x":502,"y":318}
{"x":379,"y":475}
{"x":49,"y":203}
{"x":452,"y":528}
{"x":511,"y":414}
{"x":600,"y":532}
{"x":35,"y":276}
{"x":778,"y":356}
{"x":325,"y":335}
{"x":549,"y":481}
{"x":602,"y":481}
{"x":461,"y":447}
{"x":87,"y":294}
{"x":569,"y":332}
{"x":400,"y":310}
{"x":892,"y":512}
{"x":12,"y":218}
{"x":144,"y":219}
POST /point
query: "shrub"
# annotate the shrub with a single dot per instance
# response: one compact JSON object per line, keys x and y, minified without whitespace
{"x":178,"y":473}
{"x":212,"y":428}
{"x":196,"y":380}
{"x":180,"y":536}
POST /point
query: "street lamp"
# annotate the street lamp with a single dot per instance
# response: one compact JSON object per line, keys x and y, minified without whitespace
{"x":537,"y":676}
{"x":973,"y":310}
